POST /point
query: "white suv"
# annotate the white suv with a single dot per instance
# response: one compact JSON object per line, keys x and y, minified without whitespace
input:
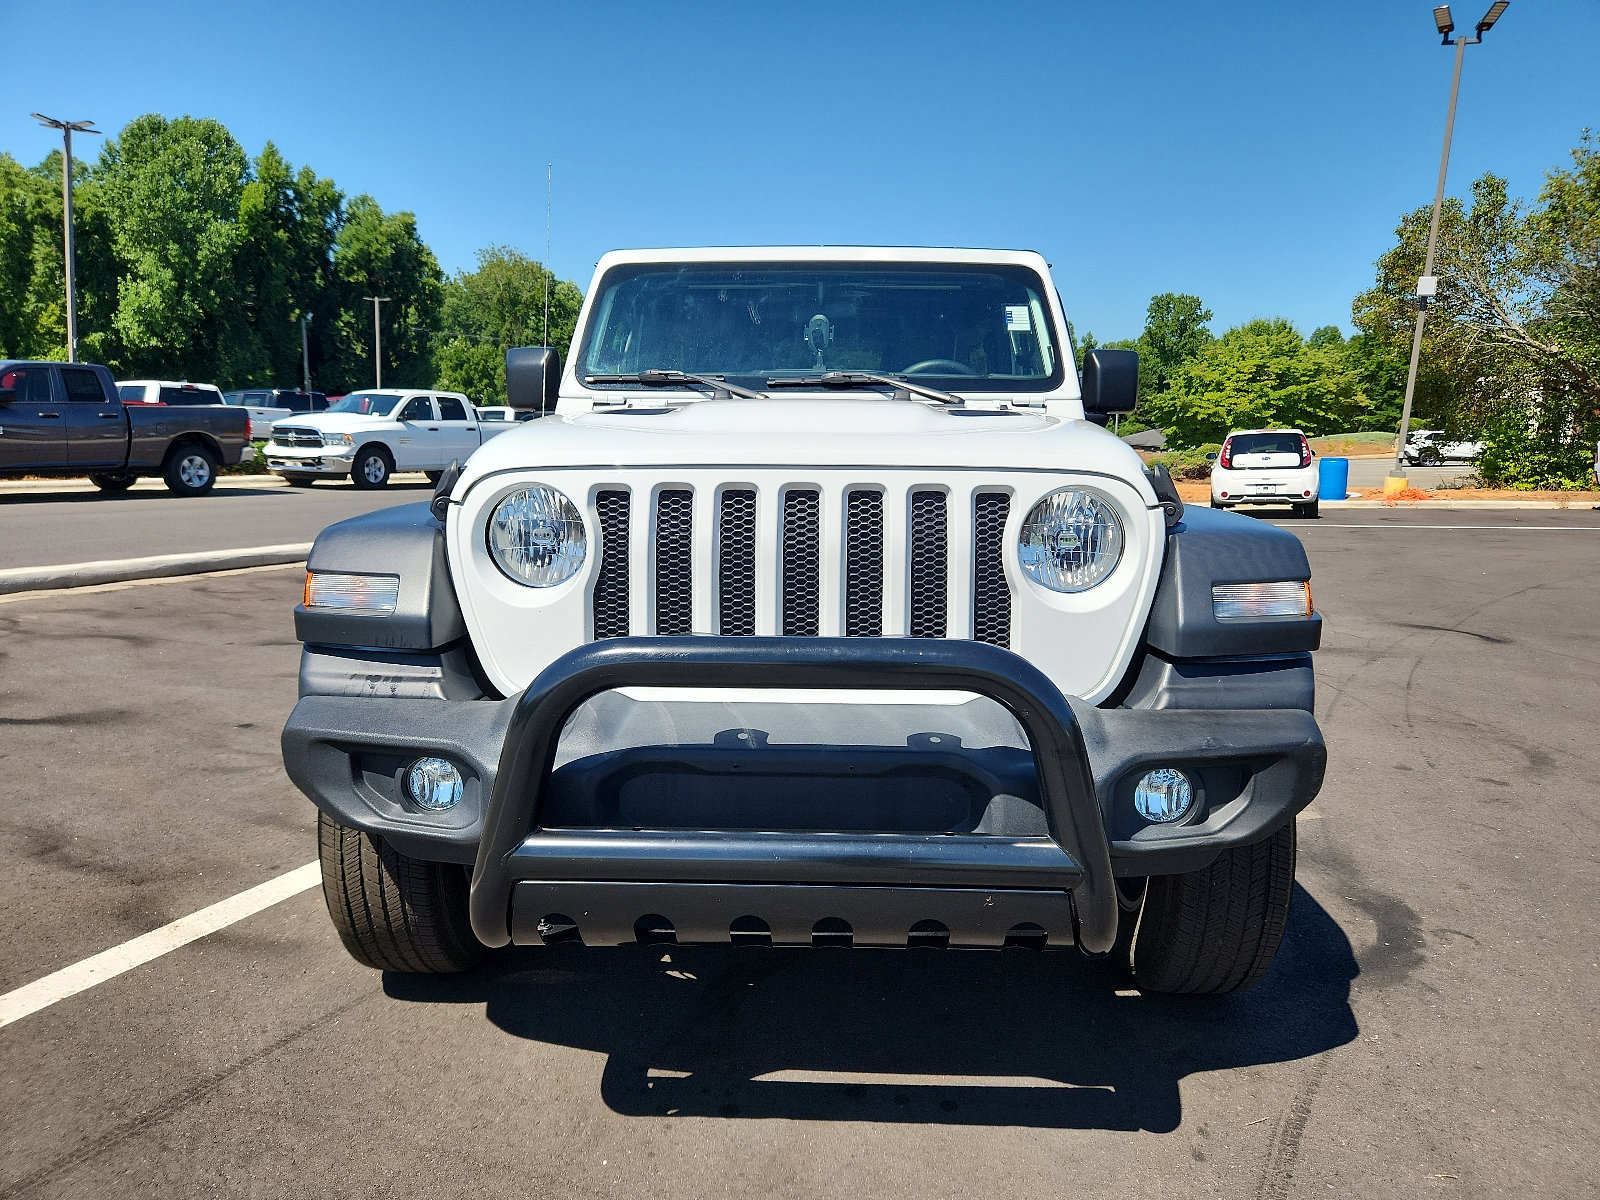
{"x":1265,"y":466}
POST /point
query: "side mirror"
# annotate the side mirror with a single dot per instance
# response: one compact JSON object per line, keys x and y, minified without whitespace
{"x":533,"y":374}
{"x":1110,"y":381}
{"x":1211,"y":456}
{"x":7,"y":395}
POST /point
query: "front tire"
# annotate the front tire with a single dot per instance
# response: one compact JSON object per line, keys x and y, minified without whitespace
{"x":1216,"y":930}
{"x":1308,"y":509}
{"x":371,"y":468}
{"x":190,"y":470}
{"x":434,"y":476}
{"x":112,"y":483}
{"x":394,"y":912}
{"x":300,"y":480}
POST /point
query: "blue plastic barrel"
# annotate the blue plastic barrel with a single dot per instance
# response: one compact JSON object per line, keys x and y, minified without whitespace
{"x":1333,"y":478}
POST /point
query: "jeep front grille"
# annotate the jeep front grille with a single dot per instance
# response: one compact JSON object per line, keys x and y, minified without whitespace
{"x":775,"y":554}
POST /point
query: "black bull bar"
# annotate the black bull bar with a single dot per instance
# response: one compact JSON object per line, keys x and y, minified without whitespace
{"x":524,"y":871}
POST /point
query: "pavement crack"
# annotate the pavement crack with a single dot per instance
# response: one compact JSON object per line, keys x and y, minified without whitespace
{"x":93,"y":1148}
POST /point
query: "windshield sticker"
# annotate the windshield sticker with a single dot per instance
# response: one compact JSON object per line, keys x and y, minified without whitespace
{"x":1017,"y":320}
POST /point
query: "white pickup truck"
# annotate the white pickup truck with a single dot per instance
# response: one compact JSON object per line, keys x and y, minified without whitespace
{"x":368,"y":436}
{"x":818,"y":609}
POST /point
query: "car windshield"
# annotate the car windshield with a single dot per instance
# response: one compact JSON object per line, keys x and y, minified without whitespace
{"x":366,"y":404}
{"x":966,"y":327}
{"x":1264,"y":443}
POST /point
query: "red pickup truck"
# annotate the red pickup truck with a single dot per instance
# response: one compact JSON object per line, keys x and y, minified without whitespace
{"x":66,"y":419}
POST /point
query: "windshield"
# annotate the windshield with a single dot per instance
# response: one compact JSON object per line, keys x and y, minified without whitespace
{"x":367,"y":404}
{"x":965,"y":327}
{"x":1265,"y":443}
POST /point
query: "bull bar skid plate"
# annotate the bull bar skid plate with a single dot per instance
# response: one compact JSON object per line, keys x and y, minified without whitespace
{"x":521,"y":866}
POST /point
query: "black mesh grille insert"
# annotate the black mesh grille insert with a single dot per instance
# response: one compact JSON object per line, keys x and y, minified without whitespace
{"x":611,"y":585}
{"x":863,"y":564}
{"x":802,"y":563}
{"x":929,"y":567}
{"x":736,"y":564}
{"x":674,"y":562}
{"x":991,"y":596}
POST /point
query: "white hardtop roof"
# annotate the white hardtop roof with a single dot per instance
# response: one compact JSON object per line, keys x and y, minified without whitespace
{"x":883,"y":254}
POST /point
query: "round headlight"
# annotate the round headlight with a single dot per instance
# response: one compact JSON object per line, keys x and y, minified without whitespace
{"x":1071,"y":541}
{"x":536,"y":537}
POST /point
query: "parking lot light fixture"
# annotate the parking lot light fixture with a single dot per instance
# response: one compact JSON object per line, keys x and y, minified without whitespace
{"x":69,"y":263}
{"x":1428,"y":284}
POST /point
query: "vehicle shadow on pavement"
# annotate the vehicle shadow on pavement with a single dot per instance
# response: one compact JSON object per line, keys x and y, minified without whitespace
{"x":1011,"y":1038}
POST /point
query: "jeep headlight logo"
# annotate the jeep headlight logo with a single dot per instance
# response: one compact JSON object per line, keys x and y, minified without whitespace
{"x":1071,"y":541}
{"x":536,"y":537}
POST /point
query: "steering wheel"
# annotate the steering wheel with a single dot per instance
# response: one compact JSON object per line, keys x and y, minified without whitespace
{"x":938,"y":366}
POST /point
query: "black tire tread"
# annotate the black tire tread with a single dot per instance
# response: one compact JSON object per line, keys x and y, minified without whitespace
{"x":394,"y":912}
{"x":1217,"y":929}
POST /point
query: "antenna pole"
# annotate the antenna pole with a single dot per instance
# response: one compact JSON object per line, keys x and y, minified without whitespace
{"x":549,"y":175}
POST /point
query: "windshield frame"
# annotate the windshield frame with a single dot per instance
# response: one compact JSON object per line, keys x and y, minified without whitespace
{"x":335,"y":408}
{"x":1043,"y":310}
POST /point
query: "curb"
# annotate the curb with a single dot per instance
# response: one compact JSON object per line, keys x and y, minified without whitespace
{"x":1459,"y":505}
{"x":120,"y":570}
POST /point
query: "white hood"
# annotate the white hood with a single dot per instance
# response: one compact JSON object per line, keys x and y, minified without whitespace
{"x":818,"y":432}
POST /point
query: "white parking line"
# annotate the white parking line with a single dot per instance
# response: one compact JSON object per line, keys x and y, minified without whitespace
{"x":108,"y":964}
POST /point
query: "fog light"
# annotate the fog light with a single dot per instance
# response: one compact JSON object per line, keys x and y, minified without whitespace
{"x":1163,"y":795}
{"x":434,"y":783}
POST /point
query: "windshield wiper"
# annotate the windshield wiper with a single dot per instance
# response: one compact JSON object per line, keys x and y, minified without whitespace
{"x":863,"y":379}
{"x":721,"y":389}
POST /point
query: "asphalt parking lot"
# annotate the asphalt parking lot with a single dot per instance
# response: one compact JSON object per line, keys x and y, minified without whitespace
{"x":1427,"y":1030}
{"x":70,"y":520}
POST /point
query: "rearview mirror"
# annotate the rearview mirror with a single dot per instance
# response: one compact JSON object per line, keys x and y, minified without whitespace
{"x":533,"y":374}
{"x":1110,"y":381}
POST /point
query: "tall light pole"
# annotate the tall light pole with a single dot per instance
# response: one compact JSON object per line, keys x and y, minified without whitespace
{"x":1428,"y":285}
{"x":305,"y":352}
{"x":377,"y":338}
{"x":68,"y":128}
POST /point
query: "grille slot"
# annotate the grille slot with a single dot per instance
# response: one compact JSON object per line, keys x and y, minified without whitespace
{"x":863,"y":564}
{"x":930,"y":547}
{"x":674,"y":562}
{"x":736,"y":563}
{"x":294,"y":435}
{"x":611,"y":584}
{"x":991,"y":597}
{"x":802,"y":563}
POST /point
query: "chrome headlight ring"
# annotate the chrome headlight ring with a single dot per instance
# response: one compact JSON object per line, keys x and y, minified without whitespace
{"x":535,"y":536}
{"x":1071,"y":541}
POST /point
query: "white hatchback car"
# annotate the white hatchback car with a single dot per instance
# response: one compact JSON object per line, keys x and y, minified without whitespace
{"x":1265,"y":466}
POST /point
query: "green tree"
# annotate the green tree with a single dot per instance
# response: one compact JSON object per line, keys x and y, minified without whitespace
{"x":1175,"y":331}
{"x":171,"y":192}
{"x":382,"y":254}
{"x":288,"y":223}
{"x":1258,"y":375}
{"x":499,"y":305}
{"x":1512,"y":343}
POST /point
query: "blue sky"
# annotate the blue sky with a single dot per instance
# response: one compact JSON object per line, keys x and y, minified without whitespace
{"x":1255,"y":154}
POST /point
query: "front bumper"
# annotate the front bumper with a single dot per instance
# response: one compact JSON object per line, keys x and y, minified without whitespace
{"x":300,"y":460}
{"x":1254,"y":770}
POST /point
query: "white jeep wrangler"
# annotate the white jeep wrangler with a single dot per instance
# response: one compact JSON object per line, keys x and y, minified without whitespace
{"x":819,"y":609}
